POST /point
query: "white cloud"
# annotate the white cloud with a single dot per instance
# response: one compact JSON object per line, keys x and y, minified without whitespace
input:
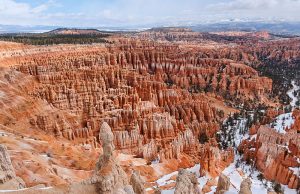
{"x":12,"y":12}
{"x":244,"y":5}
{"x":235,"y":5}
{"x":45,"y":6}
{"x":131,"y":12}
{"x":268,"y":9}
{"x":9,"y":7}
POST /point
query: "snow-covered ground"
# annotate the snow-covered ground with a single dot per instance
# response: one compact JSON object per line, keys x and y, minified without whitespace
{"x":290,"y":93}
{"x":236,"y":178}
{"x":286,"y":120}
{"x":165,"y":180}
{"x":171,"y":191}
{"x":257,"y":186}
{"x":236,"y":175}
{"x":233,"y":132}
{"x":282,"y":122}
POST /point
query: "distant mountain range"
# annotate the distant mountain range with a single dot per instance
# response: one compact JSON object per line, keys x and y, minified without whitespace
{"x":25,"y":29}
{"x":74,"y":31}
{"x":286,"y":28}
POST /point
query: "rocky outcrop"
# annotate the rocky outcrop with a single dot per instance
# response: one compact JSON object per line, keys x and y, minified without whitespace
{"x":213,"y":161}
{"x":157,"y":191}
{"x":273,"y":155}
{"x":109,"y":177}
{"x":245,"y":187}
{"x":8,"y":178}
{"x":223,"y":184}
{"x":296,"y":125}
{"x":137,"y":183}
{"x":186,"y":183}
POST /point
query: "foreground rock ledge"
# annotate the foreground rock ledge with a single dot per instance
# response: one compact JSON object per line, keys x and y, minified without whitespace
{"x":186,"y":183}
{"x":8,"y":178}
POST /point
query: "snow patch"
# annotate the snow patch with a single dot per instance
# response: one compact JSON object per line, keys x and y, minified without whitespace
{"x":296,"y":171}
{"x":171,"y":191}
{"x":290,"y":93}
{"x":282,"y":122}
{"x":164,"y":180}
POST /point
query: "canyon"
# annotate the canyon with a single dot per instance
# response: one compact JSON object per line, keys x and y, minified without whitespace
{"x":159,"y":111}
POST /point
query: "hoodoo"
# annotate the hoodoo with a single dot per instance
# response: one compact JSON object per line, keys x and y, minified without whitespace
{"x":109,"y":176}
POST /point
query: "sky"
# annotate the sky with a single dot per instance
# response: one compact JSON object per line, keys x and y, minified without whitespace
{"x":97,"y":13}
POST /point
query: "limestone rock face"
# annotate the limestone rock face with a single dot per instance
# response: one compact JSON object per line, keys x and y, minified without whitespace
{"x":245,"y":187}
{"x":8,"y":178}
{"x":223,"y":184}
{"x":109,"y":177}
{"x":186,"y":183}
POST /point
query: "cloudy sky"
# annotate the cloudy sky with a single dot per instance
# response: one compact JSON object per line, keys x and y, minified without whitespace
{"x":89,"y":13}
